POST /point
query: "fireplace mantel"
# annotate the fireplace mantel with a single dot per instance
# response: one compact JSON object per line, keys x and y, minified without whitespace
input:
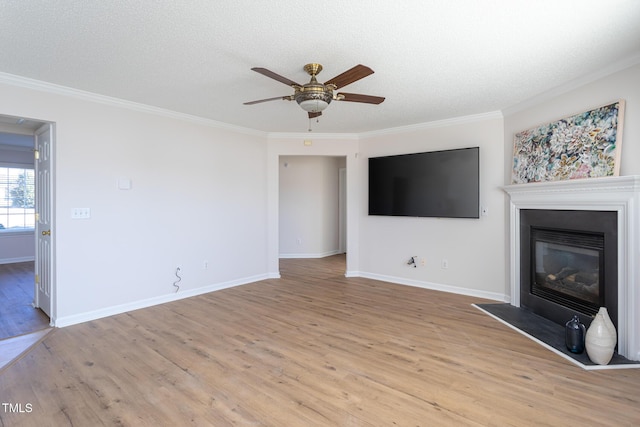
{"x":620,"y":194}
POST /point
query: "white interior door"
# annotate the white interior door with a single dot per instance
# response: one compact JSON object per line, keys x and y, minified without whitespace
{"x":44,"y":221}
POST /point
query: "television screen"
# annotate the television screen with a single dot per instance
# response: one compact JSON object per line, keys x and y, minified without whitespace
{"x":442,"y":184}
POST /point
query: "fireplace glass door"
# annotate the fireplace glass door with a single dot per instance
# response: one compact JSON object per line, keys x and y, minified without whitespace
{"x":568,"y":268}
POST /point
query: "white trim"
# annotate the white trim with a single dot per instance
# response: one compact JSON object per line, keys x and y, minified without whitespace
{"x":573,"y":84}
{"x":42,"y":86}
{"x":318,"y":255}
{"x":11,"y":232}
{"x":311,"y":136}
{"x":64,"y":321}
{"x":15,"y":260}
{"x":454,"y":121}
{"x":433,"y":286}
{"x":559,"y":353}
{"x":618,"y":194}
{"x":20,"y":81}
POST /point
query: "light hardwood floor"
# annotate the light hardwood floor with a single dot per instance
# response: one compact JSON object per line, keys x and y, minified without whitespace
{"x":311,"y":349}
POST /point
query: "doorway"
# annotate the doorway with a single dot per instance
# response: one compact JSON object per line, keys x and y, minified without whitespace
{"x":344,"y":148}
{"x":312,"y":206}
{"x":23,"y":309}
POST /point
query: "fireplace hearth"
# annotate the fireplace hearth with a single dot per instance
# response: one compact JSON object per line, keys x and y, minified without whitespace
{"x":565,"y":261}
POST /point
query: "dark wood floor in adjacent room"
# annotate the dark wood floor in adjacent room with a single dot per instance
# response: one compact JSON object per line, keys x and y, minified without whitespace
{"x":310,"y":349}
{"x":17,"y":315}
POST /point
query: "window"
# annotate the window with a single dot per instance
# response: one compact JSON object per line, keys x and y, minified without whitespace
{"x":17,"y":199}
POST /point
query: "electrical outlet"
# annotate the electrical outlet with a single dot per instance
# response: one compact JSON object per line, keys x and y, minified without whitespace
{"x":205,"y":265}
{"x":444,"y":264}
{"x":423,"y":262}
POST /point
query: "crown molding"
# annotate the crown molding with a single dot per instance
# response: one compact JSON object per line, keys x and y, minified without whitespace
{"x":573,"y":84}
{"x":42,"y":86}
{"x":24,"y":82}
{"x":311,"y":135}
{"x":454,"y":121}
{"x":391,"y":131}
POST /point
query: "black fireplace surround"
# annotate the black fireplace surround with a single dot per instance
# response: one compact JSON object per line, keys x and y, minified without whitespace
{"x":569,"y":263}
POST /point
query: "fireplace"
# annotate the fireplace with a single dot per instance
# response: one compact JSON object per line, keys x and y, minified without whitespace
{"x":568,"y":263}
{"x":568,"y":268}
{"x":580,"y":247}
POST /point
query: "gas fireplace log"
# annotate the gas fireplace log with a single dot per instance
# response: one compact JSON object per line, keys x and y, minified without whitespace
{"x":567,"y":271}
{"x":587,"y":278}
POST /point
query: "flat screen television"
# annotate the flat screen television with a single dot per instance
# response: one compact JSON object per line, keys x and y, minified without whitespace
{"x":441,"y":184}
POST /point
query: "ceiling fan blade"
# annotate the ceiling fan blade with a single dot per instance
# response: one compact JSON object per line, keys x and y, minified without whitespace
{"x":265,"y":100}
{"x":314,"y":115}
{"x":354,"y":74}
{"x":275,"y":76}
{"x":356,"y":97}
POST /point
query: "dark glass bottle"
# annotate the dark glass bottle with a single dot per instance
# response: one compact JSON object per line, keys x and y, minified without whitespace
{"x":574,"y":335}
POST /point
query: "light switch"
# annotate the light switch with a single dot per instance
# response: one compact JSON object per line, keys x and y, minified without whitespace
{"x":124,"y":184}
{"x":81,"y":213}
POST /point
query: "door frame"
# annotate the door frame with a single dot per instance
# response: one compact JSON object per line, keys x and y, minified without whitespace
{"x":328,"y":145}
{"x":342,"y":210}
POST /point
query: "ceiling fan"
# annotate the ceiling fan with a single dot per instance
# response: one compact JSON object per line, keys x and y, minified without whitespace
{"x":314,"y":97}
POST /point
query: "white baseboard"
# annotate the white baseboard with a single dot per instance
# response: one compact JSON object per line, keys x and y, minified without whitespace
{"x":74,"y":319}
{"x":494,"y":296}
{"x":318,"y":255}
{"x":14,"y":260}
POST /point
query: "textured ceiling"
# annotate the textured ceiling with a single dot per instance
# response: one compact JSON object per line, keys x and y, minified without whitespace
{"x":433,"y":60}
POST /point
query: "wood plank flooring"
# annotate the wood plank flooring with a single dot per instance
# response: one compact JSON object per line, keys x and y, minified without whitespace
{"x":310,"y":349}
{"x":17,"y":315}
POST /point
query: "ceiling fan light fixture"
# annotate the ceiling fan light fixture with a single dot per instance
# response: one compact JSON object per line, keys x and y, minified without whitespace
{"x":314,"y":97}
{"x":313,"y":105}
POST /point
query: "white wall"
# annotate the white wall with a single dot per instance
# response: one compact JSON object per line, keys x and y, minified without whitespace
{"x":623,"y":84}
{"x":198,"y":194}
{"x":474,"y":248}
{"x":338,"y":145}
{"x":209,"y":192}
{"x":308,"y":206}
{"x":17,"y":246}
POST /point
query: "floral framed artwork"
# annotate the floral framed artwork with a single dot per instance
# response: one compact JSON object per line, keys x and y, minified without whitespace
{"x":585,"y":145}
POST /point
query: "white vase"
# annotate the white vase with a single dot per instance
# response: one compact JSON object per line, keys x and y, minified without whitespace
{"x":601,"y":338}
